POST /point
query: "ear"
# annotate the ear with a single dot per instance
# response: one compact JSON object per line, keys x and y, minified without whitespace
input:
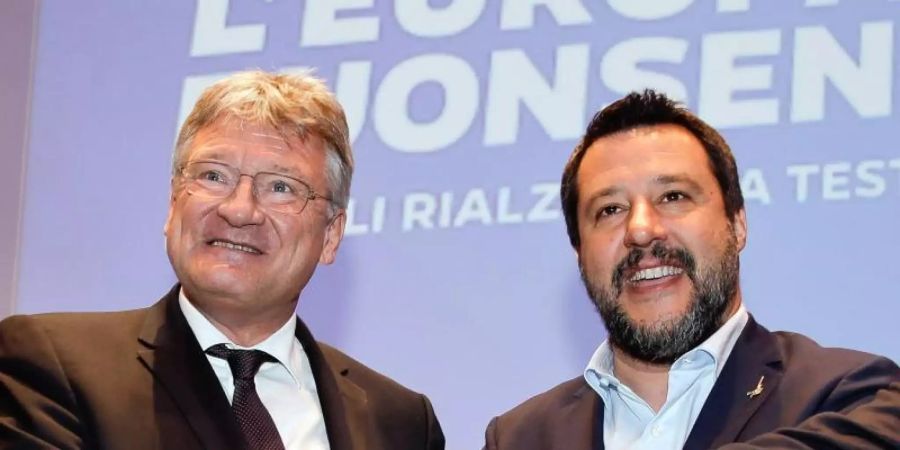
{"x":740,"y":229}
{"x":334,"y":232}
{"x":172,"y":196}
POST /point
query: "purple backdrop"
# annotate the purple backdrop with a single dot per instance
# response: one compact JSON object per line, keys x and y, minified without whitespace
{"x":456,"y":277}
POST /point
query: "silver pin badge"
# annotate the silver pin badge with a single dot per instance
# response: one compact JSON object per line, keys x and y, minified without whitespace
{"x":758,"y":390}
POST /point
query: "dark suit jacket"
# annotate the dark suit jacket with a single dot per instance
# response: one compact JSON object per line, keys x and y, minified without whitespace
{"x":139,"y":380}
{"x":812,"y":397}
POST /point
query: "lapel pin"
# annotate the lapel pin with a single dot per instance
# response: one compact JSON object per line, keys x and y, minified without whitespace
{"x":758,"y":390}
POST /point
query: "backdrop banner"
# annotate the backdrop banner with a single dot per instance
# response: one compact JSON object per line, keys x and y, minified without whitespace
{"x":456,"y":276}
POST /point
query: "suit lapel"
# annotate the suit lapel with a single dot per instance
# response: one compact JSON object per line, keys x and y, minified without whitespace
{"x":344,"y":404}
{"x":356,"y":415}
{"x":598,"y":438}
{"x":737,"y":393}
{"x":575,"y":424}
{"x":172,"y":354}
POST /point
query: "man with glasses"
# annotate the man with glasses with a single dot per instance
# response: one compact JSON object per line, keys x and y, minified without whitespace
{"x":260,"y":183}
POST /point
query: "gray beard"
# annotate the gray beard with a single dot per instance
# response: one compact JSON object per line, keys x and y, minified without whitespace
{"x":665,"y":341}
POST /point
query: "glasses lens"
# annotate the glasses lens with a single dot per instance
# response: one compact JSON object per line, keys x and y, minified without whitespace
{"x":281,"y":192}
{"x":273,"y":191}
{"x":210,"y":179}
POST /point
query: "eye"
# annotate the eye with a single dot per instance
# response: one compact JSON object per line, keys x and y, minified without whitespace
{"x":673,"y":196}
{"x":607,"y":211}
{"x":211,"y":175}
{"x":282,"y":187}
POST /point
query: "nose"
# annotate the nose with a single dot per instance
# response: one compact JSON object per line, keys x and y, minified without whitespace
{"x":644,"y":226}
{"x":241,"y":208}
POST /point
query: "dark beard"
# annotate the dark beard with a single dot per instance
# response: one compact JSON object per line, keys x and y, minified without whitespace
{"x":666,"y":341}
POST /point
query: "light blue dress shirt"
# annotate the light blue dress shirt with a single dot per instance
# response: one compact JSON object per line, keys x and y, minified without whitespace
{"x":630,"y":423}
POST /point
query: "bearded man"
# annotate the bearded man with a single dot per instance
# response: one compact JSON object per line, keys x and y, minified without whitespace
{"x":654,"y":211}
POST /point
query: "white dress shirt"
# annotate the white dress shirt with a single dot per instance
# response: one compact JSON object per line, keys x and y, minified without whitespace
{"x":287,"y":387}
{"x":630,"y":423}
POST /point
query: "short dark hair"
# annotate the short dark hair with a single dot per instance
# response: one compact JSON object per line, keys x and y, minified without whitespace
{"x":648,"y":108}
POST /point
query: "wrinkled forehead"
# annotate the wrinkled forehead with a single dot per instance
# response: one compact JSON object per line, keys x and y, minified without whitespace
{"x":231,"y":133}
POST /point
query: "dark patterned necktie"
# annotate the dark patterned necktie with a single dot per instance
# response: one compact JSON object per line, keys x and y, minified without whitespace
{"x":252,"y":417}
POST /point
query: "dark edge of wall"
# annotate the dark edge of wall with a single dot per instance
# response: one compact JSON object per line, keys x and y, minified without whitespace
{"x":18,"y":44}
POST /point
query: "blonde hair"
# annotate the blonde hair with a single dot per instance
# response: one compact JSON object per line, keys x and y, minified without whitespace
{"x":299,"y":105}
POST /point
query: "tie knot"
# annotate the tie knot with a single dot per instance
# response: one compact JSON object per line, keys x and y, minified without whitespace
{"x":244,"y":363}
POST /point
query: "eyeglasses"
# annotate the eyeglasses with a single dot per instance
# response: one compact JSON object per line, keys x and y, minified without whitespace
{"x":274,"y":191}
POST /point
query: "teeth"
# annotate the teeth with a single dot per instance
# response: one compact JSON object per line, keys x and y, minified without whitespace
{"x":655,"y":272}
{"x":233,"y":246}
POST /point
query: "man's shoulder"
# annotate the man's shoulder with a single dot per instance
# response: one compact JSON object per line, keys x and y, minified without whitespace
{"x":366,"y":377}
{"x":83,"y":345}
{"x":548,"y":403}
{"x":390,"y":402}
{"x":829,"y":378}
{"x":74,"y":325}
{"x":560,"y":417}
{"x":803,"y":354}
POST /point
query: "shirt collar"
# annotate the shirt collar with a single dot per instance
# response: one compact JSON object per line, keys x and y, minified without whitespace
{"x":599,"y":371}
{"x":720,"y":344}
{"x":278,"y":345}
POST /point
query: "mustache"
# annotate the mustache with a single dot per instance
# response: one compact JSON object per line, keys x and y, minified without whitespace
{"x":678,"y":257}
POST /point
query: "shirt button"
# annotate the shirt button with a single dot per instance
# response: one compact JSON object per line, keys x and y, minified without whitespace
{"x":655,"y":431}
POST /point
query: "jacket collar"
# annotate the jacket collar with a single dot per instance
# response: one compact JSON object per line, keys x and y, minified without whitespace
{"x":174,"y":357}
{"x":343,"y":401}
{"x":573,"y":425}
{"x":171,"y":352}
{"x":750,"y":375}
{"x":728,"y":408}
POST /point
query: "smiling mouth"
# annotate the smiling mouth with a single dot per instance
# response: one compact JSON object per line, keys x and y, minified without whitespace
{"x":655,"y":273}
{"x":235,"y":246}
